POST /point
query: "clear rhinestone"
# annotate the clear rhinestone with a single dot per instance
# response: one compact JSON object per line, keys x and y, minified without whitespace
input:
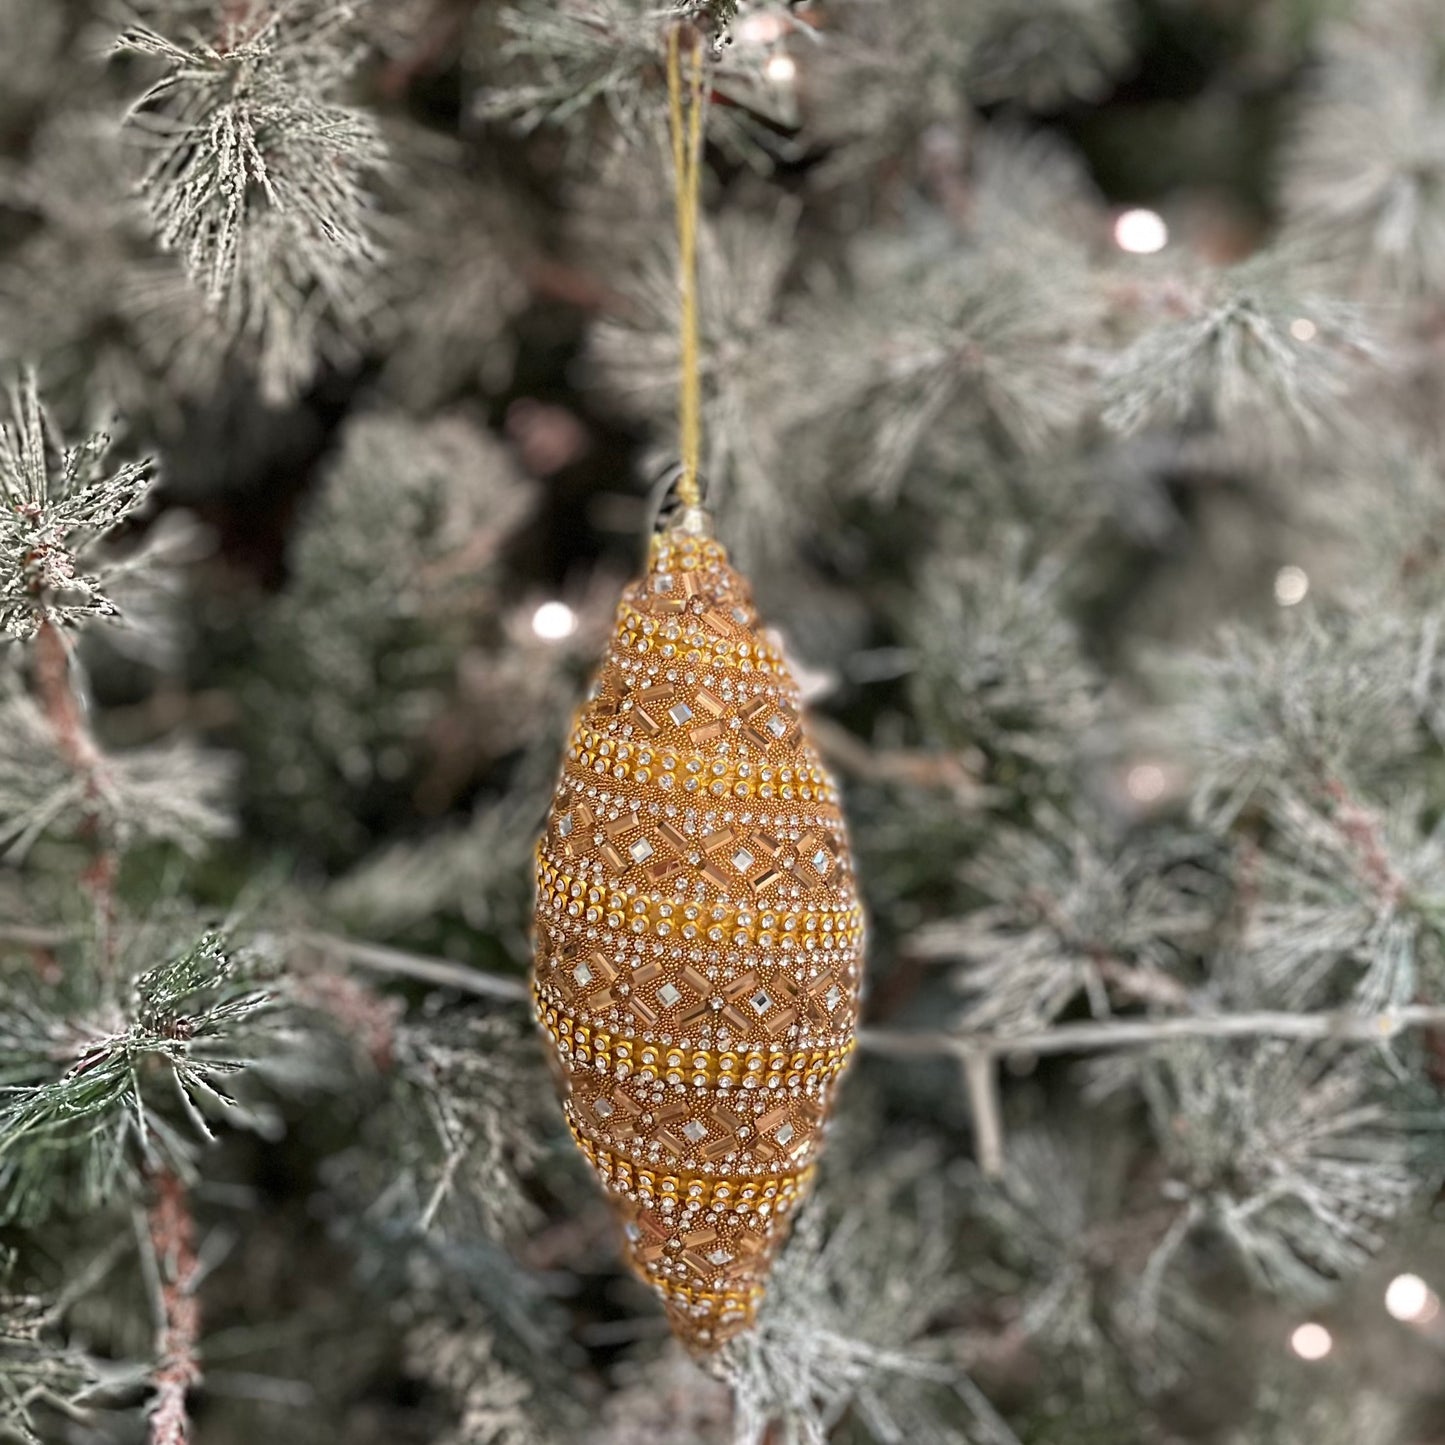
{"x":679,"y":712}
{"x":761,"y":1002}
{"x":582,"y":974}
{"x":602,"y":1108}
{"x":822,"y":860}
{"x":641,"y":851}
{"x":662,"y":582}
{"x":743,"y":860}
{"x":565,"y":825}
{"x":784,"y":1135}
{"x":778,"y":725}
{"x":695,"y":1131}
{"x":833,"y":997}
{"x":669,"y":995}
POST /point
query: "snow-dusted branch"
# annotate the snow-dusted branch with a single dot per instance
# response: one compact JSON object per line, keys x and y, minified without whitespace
{"x":439,"y":972}
{"x":1105,"y":1034}
{"x":170,"y":1233}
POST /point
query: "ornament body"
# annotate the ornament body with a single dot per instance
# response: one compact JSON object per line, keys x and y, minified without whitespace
{"x":698,"y":938}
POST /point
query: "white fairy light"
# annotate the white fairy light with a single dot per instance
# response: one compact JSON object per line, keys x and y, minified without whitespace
{"x":553,"y":621}
{"x":1311,"y":1341}
{"x":781,"y":69}
{"x":1140,"y":232}
{"x":1410,"y":1300}
{"x":1145,"y":782}
{"x":760,"y":29}
{"x":1291,"y":584}
{"x":1303,"y":329}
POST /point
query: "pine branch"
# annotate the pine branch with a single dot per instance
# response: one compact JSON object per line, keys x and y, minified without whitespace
{"x":472,"y":1101}
{"x":170,"y":1232}
{"x":1361,"y":178}
{"x":980,"y":1081}
{"x":258,"y":177}
{"x":168,"y":793}
{"x":25,"y":936}
{"x":88,"y":1098}
{"x":61,"y":704}
{"x":394,"y":576}
{"x":566,"y":60}
{"x":1046,"y":53}
{"x":1068,"y":915}
{"x":64,"y":711}
{"x":955,"y":773}
{"x":55,"y":771}
{"x":59,"y":502}
{"x":841,"y":1335}
{"x":438,"y":972}
{"x":1084,"y":1037}
{"x":1061,"y":1217}
{"x":1229,"y":355}
{"x":1129,"y":1033}
{"x":1298,"y":1155}
{"x":37,"y":1370}
{"x":494,"y":1404}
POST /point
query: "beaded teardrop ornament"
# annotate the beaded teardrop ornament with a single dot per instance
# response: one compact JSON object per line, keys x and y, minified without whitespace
{"x":698,"y":937}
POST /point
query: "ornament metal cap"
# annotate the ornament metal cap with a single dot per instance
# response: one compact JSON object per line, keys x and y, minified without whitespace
{"x":673,"y":512}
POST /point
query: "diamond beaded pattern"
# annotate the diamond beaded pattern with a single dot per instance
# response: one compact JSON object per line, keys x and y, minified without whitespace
{"x":699,"y":940}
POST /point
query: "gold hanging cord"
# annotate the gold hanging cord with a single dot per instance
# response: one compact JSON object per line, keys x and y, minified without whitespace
{"x":687,"y":176}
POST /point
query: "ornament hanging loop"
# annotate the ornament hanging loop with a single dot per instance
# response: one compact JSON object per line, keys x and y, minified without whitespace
{"x":686,"y":128}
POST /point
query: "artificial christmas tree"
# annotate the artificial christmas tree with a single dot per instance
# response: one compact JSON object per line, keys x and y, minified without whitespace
{"x":1066,"y":391}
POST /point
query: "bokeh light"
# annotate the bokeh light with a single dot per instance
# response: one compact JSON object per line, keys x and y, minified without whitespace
{"x":553,"y":621}
{"x":1145,"y":782}
{"x":1409,"y":1299}
{"x":1311,"y":1341}
{"x":1140,"y":232}
{"x":1291,"y":585}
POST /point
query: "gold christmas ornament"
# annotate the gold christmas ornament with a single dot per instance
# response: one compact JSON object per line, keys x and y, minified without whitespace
{"x":699,"y":940}
{"x":698,"y":937}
